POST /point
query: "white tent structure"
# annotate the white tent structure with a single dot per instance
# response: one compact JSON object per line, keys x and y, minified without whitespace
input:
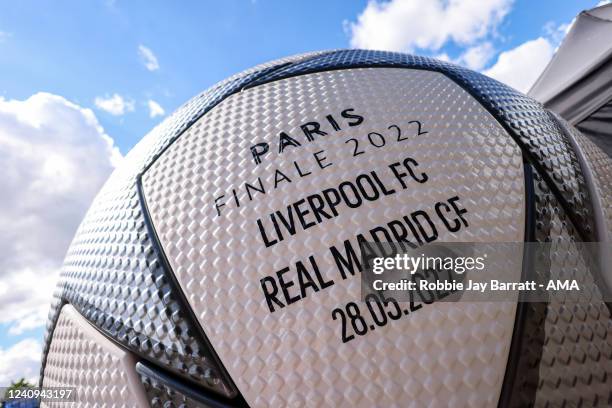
{"x":577,"y":83}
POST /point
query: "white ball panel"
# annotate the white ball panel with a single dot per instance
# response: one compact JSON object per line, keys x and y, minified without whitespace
{"x":442,"y":354}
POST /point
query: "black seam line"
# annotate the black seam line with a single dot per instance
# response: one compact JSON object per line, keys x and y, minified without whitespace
{"x":263,"y":80}
{"x":167,"y":379}
{"x":589,"y":182}
{"x":460,"y":82}
{"x":557,"y":193}
{"x":43,"y":363}
{"x":214,"y":400}
{"x":598,"y":222}
{"x":237,"y":400}
{"x":186,"y":307}
{"x":516,"y":342}
{"x":137,"y":352}
{"x":578,"y":225}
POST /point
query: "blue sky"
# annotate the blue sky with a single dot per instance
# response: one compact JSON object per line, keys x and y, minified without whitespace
{"x":84,"y":50}
{"x":78,"y":77}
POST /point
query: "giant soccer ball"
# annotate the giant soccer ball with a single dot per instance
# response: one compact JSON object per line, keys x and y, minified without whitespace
{"x":219,"y":265}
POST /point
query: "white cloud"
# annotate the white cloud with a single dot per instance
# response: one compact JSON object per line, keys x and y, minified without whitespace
{"x":155,"y":109}
{"x":27,"y":292}
{"x":476,"y":57}
{"x":115,"y":104}
{"x":4,"y":35}
{"x":148,"y":58}
{"x":403,"y":25}
{"x":603,"y":3}
{"x":55,"y":157}
{"x":521,"y":66}
{"x":556,"y":33}
{"x":20,"y":360}
{"x":444,"y":57}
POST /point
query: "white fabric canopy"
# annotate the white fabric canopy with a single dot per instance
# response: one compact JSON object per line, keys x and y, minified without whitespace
{"x":577,"y":83}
